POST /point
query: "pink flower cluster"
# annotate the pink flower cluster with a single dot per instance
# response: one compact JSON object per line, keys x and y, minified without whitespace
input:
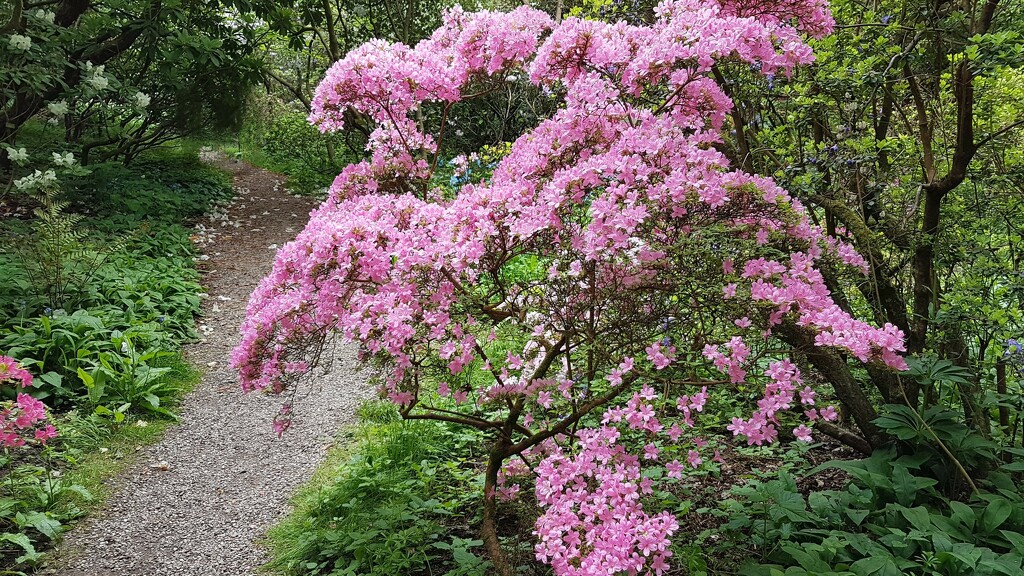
{"x":23,"y":419}
{"x":594,"y":521}
{"x":604,"y":195}
{"x":798,"y":286}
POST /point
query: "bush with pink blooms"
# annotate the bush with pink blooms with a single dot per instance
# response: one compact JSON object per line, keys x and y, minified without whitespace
{"x":24,"y":420}
{"x":24,"y":431}
{"x":579,"y":304}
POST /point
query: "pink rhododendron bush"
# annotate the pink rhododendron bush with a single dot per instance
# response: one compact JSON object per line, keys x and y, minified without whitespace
{"x":587,"y":296}
{"x":23,"y":420}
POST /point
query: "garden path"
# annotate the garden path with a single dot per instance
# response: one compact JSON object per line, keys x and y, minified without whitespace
{"x":198,"y":502}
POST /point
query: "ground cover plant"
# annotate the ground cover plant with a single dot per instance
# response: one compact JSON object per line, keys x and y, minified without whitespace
{"x":395,"y":497}
{"x":538,"y":297}
{"x":890,"y":519}
{"x":100,"y":291}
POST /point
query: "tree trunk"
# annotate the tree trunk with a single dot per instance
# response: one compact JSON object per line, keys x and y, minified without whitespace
{"x":836,"y":372}
{"x":489,"y":525}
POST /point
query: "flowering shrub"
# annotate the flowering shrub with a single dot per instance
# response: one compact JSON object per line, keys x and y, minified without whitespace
{"x":606,"y":256}
{"x":23,"y":420}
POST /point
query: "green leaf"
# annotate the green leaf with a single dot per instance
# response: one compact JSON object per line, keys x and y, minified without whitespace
{"x":1016,"y":539}
{"x":805,"y":560}
{"x":25,"y":544}
{"x":917,"y":516}
{"x":995,"y":514}
{"x":1005,"y":564}
{"x":86,"y":378}
{"x":40,"y":521}
{"x":904,"y":485}
{"x":53,"y":379}
{"x":876,"y":565}
{"x":857,"y":516}
{"x":1017,"y":466}
{"x":819,"y":503}
{"x":962,"y":513}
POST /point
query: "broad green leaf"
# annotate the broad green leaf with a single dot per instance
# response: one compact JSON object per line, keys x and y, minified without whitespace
{"x":25,"y":544}
{"x":904,"y":486}
{"x":40,"y":521}
{"x":995,"y":514}
{"x":962,"y":513}
{"x":917,"y":516}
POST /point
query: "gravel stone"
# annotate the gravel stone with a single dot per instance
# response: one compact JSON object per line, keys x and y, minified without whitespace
{"x":199,"y":502}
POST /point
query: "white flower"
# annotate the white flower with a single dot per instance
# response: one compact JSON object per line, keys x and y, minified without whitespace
{"x":45,"y":15}
{"x":98,"y":82}
{"x":36,"y":180}
{"x":59,"y":108}
{"x":67,"y":159}
{"x":95,"y":78}
{"x":26,"y":182}
{"x":142,"y":99}
{"x":19,"y":43}
{"x":19,"y":156}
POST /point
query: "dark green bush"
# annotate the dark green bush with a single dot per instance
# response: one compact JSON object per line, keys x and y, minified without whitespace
{"x":890,"y":520}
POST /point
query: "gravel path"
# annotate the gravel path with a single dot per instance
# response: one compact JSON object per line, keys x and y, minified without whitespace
{"x":228,"y":476}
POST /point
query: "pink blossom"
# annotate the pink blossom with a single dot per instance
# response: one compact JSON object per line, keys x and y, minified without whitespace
{"x":693,"y":458}
{"x":544,"y":399}
{"x":829,"y":413}
{"x":603,"y":193}
{"x":807,"y":396}
{"x":675,"y":469}
{"x":651,"y":452}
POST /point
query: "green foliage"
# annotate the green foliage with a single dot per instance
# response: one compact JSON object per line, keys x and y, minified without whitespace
{"x":285,"y":142}
{"x":926,"y":435}
{"x":135,"y":310}
{"x":888,"y":520}
{"x":34,"y":504}
{"x":133,"y":321}
{"x":395,"y":503}
{"x":108,"y":356}
{"x":125,"y":77}
{"x":159,"y":190}
{"x":58,"y":260}
{"x":130,"y":380}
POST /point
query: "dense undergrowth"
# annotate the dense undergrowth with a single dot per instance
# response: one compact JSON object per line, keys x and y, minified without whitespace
{"x":98,"y":291}
{"x":398,"y":497}
{"x":390,"y":499}
{"x":280,"y":139}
